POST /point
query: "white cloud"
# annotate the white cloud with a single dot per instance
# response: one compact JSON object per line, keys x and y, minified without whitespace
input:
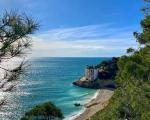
{"x":92,"y":40}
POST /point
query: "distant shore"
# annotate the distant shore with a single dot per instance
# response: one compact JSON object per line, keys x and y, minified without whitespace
{"x":96,"y":104}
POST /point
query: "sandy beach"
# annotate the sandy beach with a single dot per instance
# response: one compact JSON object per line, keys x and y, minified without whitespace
{"x":96,"y":104}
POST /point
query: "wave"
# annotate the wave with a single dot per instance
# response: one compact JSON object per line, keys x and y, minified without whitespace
{"x":77,"y":114}
{"x":74,"y":115}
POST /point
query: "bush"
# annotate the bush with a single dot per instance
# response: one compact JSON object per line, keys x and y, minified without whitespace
{"x":43,"y":111}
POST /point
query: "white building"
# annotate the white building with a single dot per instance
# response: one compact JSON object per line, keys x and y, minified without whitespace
{"x":91,"y":73}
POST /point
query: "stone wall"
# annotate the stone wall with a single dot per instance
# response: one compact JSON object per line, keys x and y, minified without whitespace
{"x":91,"y":73}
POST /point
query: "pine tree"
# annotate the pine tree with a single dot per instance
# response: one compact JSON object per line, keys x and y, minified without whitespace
{"x":15,"y":29}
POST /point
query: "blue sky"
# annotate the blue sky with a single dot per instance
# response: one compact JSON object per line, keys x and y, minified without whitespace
{"x":83,"y":28}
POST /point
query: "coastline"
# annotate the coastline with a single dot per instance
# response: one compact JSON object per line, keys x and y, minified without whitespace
{"x":77,"y":114}
{"x":97,"y":103}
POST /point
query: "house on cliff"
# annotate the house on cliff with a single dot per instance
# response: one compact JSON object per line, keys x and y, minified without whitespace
{"x":91,"y":73}
{"x":99,"y":76}
{"x":104,"y":71}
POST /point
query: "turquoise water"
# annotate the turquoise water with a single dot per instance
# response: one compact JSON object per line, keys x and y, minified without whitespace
{"x":50,"y":79}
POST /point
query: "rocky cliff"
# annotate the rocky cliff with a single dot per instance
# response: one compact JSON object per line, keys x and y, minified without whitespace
{"x":107,"y":72}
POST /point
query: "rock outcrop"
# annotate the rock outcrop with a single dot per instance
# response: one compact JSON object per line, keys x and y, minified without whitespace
{"x":107,"y":71}
{"x":94,"y":84}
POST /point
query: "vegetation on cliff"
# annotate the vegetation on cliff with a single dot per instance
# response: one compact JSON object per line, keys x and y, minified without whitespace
{"x":108,"y":69}
{"x":132,"y":99}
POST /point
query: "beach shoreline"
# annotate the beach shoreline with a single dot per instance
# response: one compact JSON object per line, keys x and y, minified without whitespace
{"x":97,"y":103}
{"x":77,"y":114}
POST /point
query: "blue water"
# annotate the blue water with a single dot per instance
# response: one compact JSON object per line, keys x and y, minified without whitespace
{"x":50,"y":79}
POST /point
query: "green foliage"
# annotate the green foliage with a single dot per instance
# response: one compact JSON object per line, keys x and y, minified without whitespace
{"x":14,"y":33}
{"x":144,"y":38}
{"x":131,"y":100}
{"x":15,"y":30}
{"x":46,"y":110}
{"x":130,"y":50}
{"x":108,"y":69}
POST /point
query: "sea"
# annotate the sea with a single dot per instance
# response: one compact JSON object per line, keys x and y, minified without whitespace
{"x":50,"y":79}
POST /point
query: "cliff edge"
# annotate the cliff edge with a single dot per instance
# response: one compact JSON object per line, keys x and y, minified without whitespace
{"x":82,"y":82}
{"x":99,"y":76}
